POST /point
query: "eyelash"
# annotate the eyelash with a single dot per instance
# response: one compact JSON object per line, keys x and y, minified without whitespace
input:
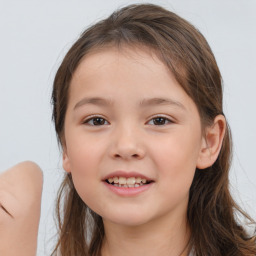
{"x":99,"y":117}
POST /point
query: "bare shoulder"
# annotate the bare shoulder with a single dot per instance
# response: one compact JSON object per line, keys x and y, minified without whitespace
{"x":20,"y":188}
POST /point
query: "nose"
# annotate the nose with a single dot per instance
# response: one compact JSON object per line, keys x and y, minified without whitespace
{"x":127,"y":144}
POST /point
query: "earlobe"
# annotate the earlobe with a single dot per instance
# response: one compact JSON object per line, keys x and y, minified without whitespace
{"x":65,"y":161}
{"x":211,"y":143}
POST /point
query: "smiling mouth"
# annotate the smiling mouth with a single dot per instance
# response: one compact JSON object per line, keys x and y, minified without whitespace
{"x":131,"y":182}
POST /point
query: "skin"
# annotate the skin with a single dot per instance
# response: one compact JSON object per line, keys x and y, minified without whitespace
{"x":20,"y":204}
{"x":130,"y":138}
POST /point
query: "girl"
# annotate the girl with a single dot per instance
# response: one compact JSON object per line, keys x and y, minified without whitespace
{"x":137,"y":105}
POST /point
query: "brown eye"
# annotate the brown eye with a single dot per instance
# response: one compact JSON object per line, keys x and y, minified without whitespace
{"x":95,"y":121}
{"x":160,"y":121}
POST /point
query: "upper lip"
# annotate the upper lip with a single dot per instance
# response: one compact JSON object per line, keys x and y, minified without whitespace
{"x":126,"y":174}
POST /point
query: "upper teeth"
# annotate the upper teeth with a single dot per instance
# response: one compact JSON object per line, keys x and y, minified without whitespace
{"x":128,"y":181}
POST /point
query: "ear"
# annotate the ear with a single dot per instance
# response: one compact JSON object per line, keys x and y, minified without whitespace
{"x":211,"y":143}
{"x":65,"y":161}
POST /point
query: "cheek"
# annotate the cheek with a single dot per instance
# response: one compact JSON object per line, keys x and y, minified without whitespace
{"x":84,"y":154}
{"x":83,"y":162}
{"x":179,"y":149}
{"x":83,"y":158}
{"x":83,"y":151}
{"x":176,"y":159}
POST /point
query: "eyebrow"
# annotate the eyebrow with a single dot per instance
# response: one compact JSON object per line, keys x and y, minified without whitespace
{"x":161,"y":101}
{"x":95,"y":101}
{"x":144,"y":103}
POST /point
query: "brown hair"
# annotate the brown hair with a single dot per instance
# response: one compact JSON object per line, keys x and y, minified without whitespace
{"x":212,"y":212}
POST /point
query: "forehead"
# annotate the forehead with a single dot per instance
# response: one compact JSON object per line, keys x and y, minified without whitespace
{"x":133,"y":71}
{"x":117,"y":63}
{"x":101,"y":57}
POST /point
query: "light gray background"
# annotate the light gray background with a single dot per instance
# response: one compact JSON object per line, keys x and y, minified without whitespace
{"x":34,"y":37}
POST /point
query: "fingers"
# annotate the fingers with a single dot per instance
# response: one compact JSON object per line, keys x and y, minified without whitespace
{"x":20,"y":206}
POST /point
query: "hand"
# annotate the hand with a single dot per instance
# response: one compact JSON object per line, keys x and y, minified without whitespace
{"x":20,"y":204}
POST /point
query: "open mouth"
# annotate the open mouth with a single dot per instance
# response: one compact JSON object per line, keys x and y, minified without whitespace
{"x":131,"y":182}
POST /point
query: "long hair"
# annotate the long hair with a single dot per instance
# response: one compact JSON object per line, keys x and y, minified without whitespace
{"x":212,"y":213}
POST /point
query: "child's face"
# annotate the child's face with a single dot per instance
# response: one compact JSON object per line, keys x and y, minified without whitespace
{"x":131,"y":133}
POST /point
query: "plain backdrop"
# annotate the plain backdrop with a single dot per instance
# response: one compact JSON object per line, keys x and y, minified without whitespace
{"x":34,"y":37}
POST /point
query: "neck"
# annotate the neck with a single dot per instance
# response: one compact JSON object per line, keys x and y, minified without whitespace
{"x":159,"y":237}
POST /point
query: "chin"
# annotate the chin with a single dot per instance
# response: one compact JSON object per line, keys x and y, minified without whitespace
{"x":127,"y":218}
{"x":128,"y":222}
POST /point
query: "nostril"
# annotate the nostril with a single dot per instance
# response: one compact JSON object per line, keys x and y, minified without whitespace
{"x":126,"y":156}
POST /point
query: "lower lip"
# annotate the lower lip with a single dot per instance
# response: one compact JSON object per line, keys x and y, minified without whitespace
{"x":122,"y":191}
